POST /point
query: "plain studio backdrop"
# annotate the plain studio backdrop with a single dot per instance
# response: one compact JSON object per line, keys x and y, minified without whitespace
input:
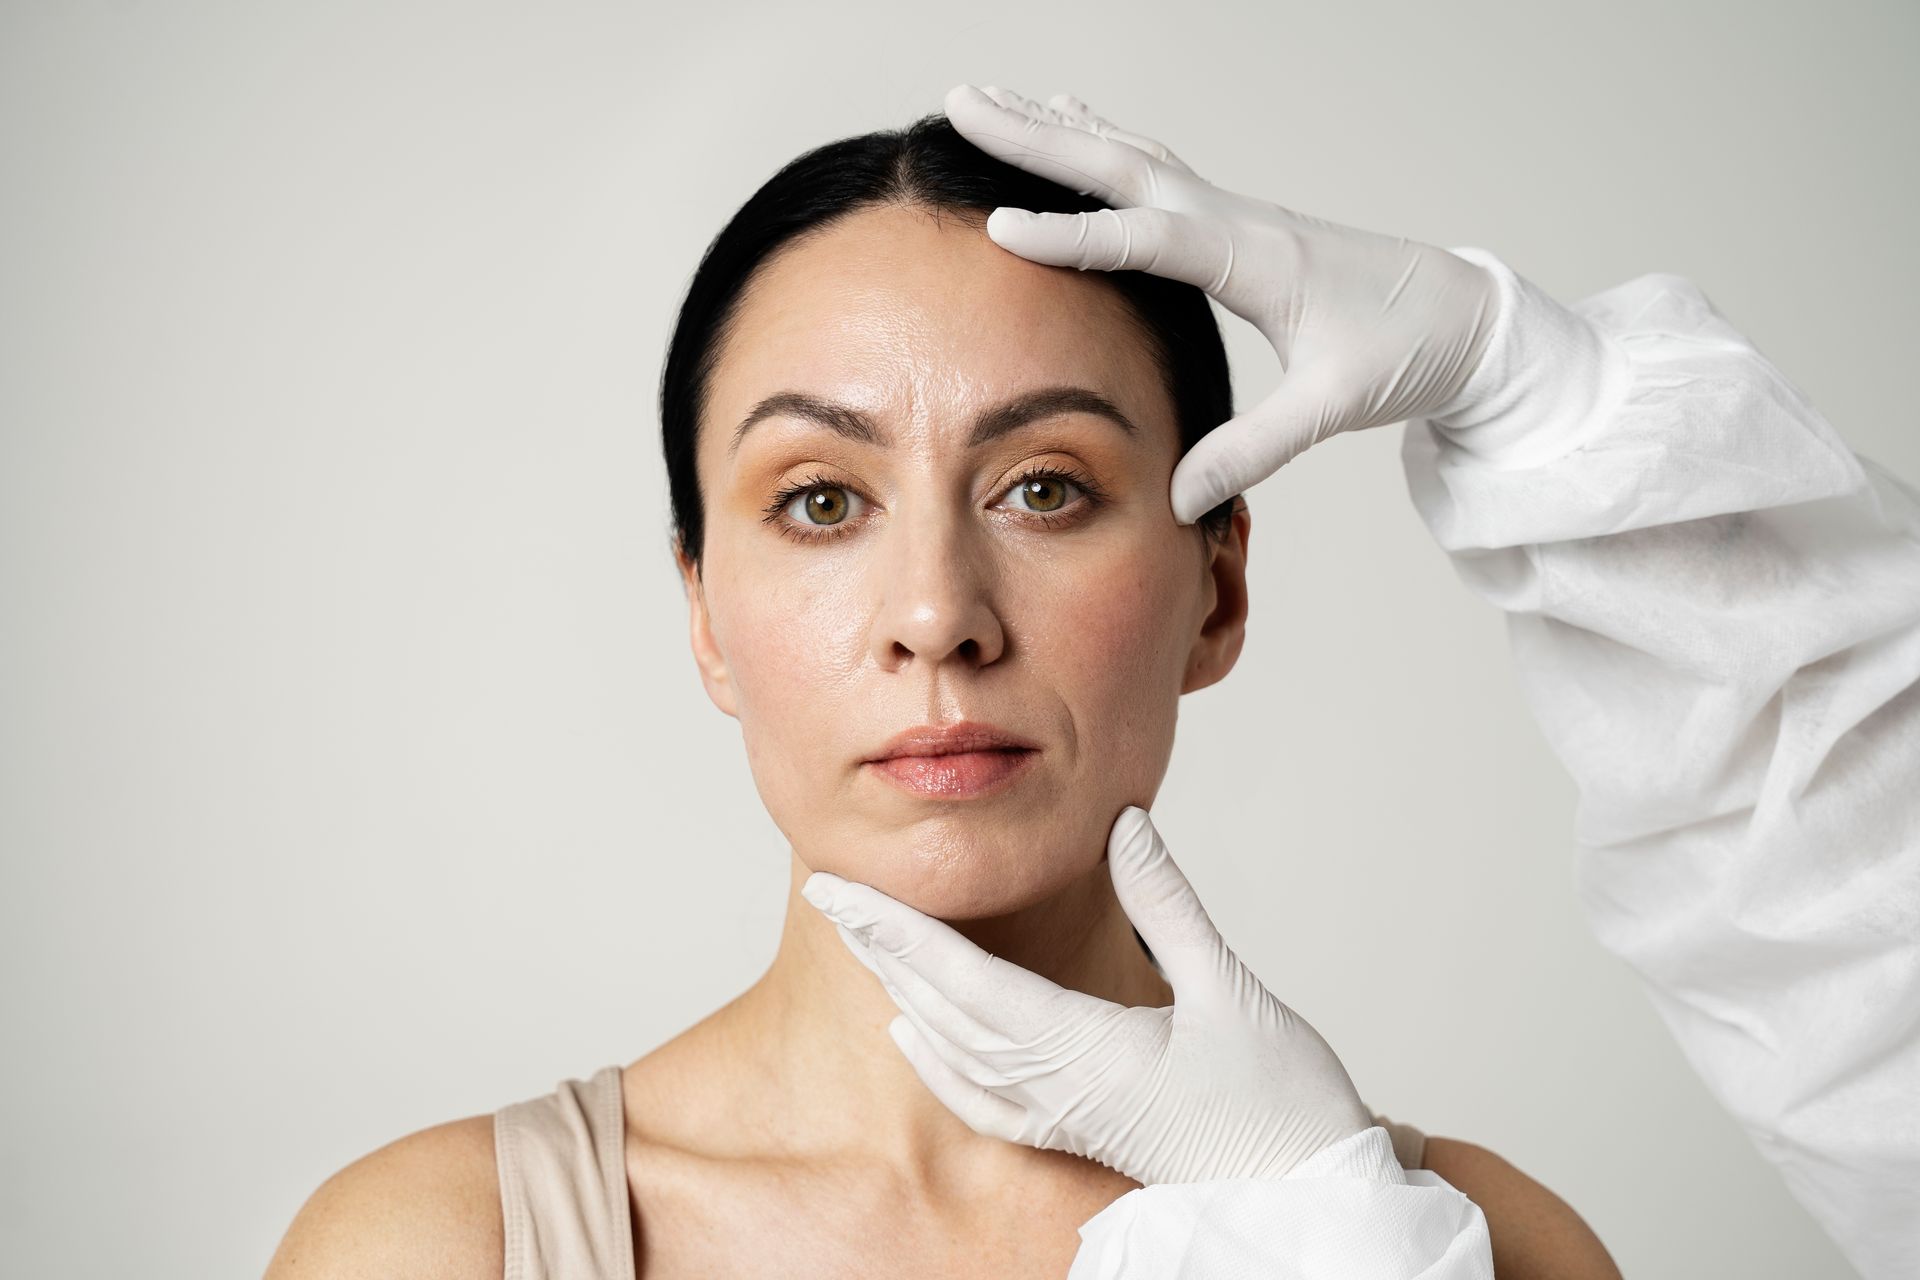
{"x":357,"y":776}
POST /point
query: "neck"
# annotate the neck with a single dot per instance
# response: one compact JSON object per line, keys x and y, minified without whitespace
{"x":837,"y":1086}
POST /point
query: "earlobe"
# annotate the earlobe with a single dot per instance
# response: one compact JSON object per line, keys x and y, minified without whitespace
{"x":706,"y":653}
{"x":1224,"y":632}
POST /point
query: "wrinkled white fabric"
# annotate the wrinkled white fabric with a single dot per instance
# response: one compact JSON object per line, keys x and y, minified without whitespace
{"x":1349,"y":1211}
{"x":1714,"y":606}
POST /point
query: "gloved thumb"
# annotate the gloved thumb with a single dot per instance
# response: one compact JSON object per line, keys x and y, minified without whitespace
{"x":1247,"y":448}
{"x":1156,"y":896}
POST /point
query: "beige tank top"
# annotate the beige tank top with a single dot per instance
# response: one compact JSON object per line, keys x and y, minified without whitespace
{"x":563,"y":1180}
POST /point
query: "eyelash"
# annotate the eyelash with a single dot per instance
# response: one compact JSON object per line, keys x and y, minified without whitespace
{"x":775,"y":511}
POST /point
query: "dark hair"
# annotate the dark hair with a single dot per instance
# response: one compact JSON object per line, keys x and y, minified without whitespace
{"x":929,"y":165}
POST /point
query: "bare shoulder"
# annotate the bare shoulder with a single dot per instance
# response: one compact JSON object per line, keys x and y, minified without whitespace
{"x":1533,"y":1231}
{"x":426,"y":1206}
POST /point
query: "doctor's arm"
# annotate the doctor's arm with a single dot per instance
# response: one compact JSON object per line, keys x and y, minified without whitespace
{"x":1714,"y":609}
{"x":1713,"y":603}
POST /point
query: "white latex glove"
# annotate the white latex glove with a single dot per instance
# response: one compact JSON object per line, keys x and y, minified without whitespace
{"x":1227,"y":1082}
{"x":1370,"y":329}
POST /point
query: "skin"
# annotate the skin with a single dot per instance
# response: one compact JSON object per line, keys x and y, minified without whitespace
{"x":785,"y":1131}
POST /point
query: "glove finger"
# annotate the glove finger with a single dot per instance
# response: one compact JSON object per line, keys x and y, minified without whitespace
{"x":1064,"y":108}
{"x":1012,"y":1042}
{"x":980,"y":1109}
{"x":1001,"y":1002}
{"x":1160,"y":901}
{"x":1068,"y":105}
{"x":1197,"y":251}
{"x":959,"y":1060}
{"x":1045,"y":1082}
{"x":1062,"y":152}
{"x":1078,"y":112}
{"x":1246,"y":449}
{"x":1024,"y":105}
{"x":975,"y":1069}
{"x":864,"y":954}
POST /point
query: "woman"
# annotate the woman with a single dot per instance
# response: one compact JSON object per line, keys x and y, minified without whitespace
{"x":916,"y":481}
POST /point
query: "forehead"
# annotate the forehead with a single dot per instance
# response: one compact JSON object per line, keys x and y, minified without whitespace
{"x":921,"y":319}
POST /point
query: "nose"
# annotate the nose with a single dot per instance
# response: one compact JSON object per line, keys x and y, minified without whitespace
{"x":936,"y":584}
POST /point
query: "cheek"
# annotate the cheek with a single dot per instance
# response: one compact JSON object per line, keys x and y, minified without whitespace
{"x":1113,"y":633}
{"x":794,"y":656}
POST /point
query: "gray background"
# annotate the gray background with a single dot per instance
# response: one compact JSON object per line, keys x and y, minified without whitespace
{"x":356,"y":776}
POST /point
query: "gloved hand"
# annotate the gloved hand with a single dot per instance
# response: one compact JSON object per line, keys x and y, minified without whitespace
{"x":1370,"y":329}
{"x":1227,"y":1082}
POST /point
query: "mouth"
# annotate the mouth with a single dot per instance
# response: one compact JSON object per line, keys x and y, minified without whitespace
{"x":957,"y":775}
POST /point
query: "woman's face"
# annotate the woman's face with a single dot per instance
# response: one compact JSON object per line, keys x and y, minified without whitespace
{"x":912,"y":577}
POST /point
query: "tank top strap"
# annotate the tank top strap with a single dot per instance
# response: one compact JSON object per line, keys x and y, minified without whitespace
{"x":563,"y":1182}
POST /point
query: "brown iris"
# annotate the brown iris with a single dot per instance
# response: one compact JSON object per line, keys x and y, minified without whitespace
{"x":829,"y":501}
{"x":1041,"y":484}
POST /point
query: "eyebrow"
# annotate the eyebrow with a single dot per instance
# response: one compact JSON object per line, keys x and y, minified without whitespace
{"x":989,"y":425}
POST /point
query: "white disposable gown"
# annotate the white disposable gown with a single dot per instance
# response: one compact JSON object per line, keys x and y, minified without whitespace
{"x":1714,"y":605}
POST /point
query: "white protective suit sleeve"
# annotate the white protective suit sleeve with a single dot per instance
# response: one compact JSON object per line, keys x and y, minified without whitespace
{"x":1350,"y":1211}
{"x":1714,"y":607}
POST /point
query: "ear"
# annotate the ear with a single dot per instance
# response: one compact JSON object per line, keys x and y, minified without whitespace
{"x":1224,"y":631}
{"x":706,"y":654}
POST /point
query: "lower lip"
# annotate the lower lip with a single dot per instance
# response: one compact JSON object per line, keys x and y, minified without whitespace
{"x":960,"y":776}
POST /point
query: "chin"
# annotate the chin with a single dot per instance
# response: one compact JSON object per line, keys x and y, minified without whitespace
{"x":966,"y":868}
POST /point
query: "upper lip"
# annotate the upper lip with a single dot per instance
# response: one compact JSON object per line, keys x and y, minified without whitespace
{"x":950,"y":739}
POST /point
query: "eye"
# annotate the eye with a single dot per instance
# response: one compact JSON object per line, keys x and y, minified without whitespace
{"x":1045,"y":492}
{"x":820,"y":504}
